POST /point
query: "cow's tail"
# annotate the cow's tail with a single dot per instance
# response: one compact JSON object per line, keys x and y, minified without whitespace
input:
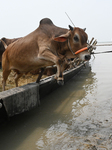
{"x":4,"y":44}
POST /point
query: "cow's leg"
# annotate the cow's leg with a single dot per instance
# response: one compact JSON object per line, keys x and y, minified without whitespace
{"x":18,"y":75}
{"x":49,"y":56}
{"x":65,"y":65}
{"x":5,"y":76}
{"x":40,"y":75}
{"x":59,"y":75}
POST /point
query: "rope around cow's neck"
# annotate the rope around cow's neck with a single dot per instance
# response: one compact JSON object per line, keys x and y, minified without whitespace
{"x":70,"y":47}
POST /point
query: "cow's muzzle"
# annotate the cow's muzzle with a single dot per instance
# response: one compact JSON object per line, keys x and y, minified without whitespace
{"x":87,"y":57}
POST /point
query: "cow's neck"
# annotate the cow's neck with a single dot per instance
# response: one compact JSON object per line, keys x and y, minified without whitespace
{"x":65,"y":49}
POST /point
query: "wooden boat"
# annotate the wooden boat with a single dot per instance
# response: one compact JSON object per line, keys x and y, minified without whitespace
{"x":24,"y":98}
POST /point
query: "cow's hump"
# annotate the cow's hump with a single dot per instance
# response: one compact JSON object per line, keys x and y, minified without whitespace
{"x":46,"y":21}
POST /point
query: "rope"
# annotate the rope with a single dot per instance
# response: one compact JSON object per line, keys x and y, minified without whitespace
{"x":104,"y":45}
{"x":70,"y":47}
{"x":102,"y":52}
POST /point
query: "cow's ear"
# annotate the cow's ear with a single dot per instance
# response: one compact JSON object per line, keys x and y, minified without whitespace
{"x":60,"y":39}
{"x":63,"y":37}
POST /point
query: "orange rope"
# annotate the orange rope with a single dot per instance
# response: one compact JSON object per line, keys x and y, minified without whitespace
{"x":81,"y":50}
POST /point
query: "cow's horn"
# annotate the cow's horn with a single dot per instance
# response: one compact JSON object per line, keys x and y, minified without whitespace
{"x":84,"y":29}
{"x":71,"y":28}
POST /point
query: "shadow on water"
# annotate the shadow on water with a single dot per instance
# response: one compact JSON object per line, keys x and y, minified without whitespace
{"x":25,"y":130}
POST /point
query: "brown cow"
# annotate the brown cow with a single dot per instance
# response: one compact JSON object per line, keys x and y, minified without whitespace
{"x":46,"y":46}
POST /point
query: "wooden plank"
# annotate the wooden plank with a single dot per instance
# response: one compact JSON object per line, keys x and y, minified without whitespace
{"x":20,"y":99}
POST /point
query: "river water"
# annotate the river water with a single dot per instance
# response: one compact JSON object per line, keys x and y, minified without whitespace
{"x":77,"y":116}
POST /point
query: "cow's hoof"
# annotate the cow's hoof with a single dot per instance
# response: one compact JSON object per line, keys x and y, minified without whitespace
{"x":60,"y":82}
{"x":53,"y":80}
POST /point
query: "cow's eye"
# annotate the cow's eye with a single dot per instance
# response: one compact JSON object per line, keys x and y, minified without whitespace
{"x":76,"y":38}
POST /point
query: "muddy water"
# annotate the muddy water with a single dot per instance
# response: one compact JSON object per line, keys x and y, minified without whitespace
{"x":77,"y":116}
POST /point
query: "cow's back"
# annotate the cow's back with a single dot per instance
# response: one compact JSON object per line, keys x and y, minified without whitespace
{"x":26,"y":49}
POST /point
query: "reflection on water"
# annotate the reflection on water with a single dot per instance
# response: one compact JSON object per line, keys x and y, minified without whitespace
{"x":67,"y":134}
{"x":77,"y":116}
